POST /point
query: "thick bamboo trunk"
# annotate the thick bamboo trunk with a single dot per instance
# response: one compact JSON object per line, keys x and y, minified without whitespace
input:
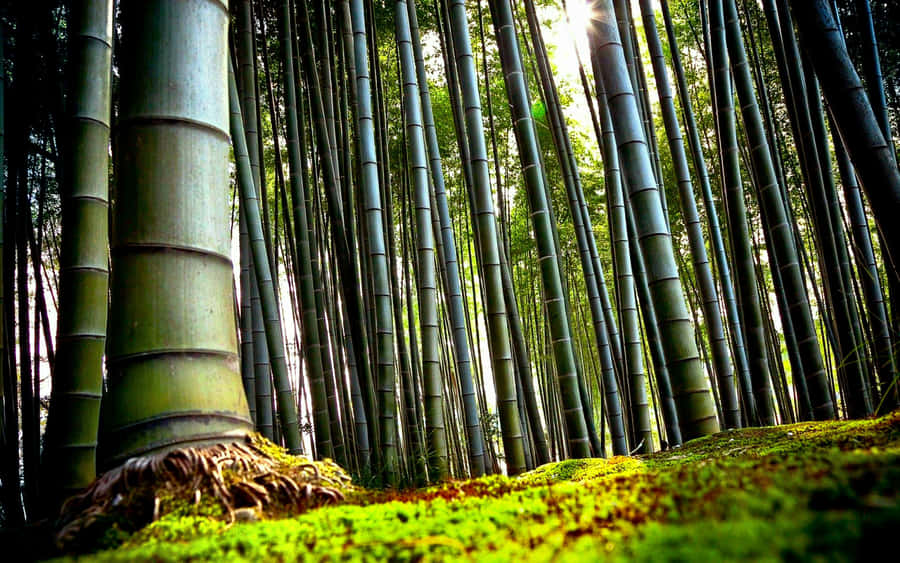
{"x":172,"y":355}
{"x":702,"y":269}
{"x":871,"y":154}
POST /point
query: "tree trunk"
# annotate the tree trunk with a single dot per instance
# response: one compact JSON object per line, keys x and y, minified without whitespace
{"x":84,"y":261}
{"x":172,"y":356}
{"x":696,"y":410}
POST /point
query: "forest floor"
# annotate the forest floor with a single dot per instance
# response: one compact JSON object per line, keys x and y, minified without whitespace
{"x":825,"y":491}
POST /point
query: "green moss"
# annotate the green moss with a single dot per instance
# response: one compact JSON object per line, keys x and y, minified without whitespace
{"x":580,"y":470}
{"x":252,"y":479}
{"x":327,"y":468}
{"x":172,"y":528}
{"x":826,"y":490}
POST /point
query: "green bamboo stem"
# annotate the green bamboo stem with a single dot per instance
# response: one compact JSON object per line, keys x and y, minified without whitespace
{"x":427,"y":285}
{"x":635,"y":374}
{"x":735,"y":330}
{"x":870,"y":153}
{"x":777,"y":220}
{"x":869,"y":279}
{"x":262,"y":375}
{"x":246,"y":326}
{"x":735,"y":206}
{"x":172,"y":336}
{"x":526,"y":137}
{"x":804,"y":109}
{"x":653,"y":343}
{"x":462,"y":355}
{"x":84,"y":258}
{"x":413,"y":426}
{"x":311,"y":196}
{"x":872,"y":70}
{"x":408,"y":366}
{"x":374,"y":220}
{"x":483,"y":209}
{"x":287,"y":412}
{"x":696,"y":410}
{"x":580,"y":217}
{"x":309,"y":314}
{"x":342,"y":232}
{"x":773,"y":138}
{"x":606,"y":332}
{"x":702,"y":269}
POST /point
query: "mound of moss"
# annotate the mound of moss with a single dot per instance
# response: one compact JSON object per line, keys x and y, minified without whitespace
{"x":825,"y":490}
{"x":245,"y":480}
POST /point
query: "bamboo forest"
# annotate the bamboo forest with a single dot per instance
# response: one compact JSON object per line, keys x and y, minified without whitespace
{"x":449,"y":280}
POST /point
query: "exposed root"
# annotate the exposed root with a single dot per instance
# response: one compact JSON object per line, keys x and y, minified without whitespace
{"x":227,"y":477}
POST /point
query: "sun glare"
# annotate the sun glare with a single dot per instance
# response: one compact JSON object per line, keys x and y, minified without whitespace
{"x":579,"y":13}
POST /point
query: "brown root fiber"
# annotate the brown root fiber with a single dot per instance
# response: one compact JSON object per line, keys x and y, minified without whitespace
{"x":240,"y":480}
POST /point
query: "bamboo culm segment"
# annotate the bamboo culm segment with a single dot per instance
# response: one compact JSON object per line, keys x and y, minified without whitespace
{"x":739,"y":230}
{"x":287,"y":408}
{"x":312,"y":342}
{"x":738,"y":350}
{"x":174,"y":378}
{"x":462,"y":354}
{"x":84,"y":259}
{"x":483,"y":210}
{"x":374,"y":222}
{"x":427,"y":283}
{"x":777,"y":221}
{"x":693,"y":399}
{"x":627,"y":306}
{"x":722,"y":361}
{"x":628,"y":341}
{"x":856,"y":120}
{"x":526,"y":138}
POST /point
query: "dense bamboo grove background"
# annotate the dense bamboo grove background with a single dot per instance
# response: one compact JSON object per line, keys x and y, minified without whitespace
{"x":439,"y":239}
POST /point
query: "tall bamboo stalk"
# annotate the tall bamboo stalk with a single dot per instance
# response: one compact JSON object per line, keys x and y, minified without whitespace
{"x":172,"y":355}
{"x":84,"y":260}
{"x":738,"y":349}
{"x":312,"y":343}
{"x":777,"y":221}
{"x":483,"y":209}
{"x":702,"y":270}
{"x":427,"y":285}
{"x":739,"y":230}
{"x":287,"y":412}
{"x":12,"y":505}
{"x":870,"y":153}
{"x":371,"y":197}
{"x":657,"y":358}
{"x":696,"y":410}
{"x":634,"y":376}
{"x":462,"y":353}
{"x":532,"y":170}
{"x":246,"y":328}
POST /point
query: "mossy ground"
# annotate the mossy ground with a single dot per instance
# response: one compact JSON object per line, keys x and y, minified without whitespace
{"x":810,"y":491}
